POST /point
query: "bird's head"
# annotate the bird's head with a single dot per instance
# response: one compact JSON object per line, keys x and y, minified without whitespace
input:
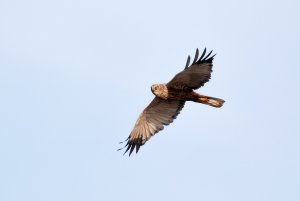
{"x":159,"y":90}
{"x":154,"y":88}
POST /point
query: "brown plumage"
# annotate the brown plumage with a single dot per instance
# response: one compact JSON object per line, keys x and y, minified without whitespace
{"x":170,"y":98}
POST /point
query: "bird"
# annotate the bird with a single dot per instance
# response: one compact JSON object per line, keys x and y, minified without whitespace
{"x":170,"y":99}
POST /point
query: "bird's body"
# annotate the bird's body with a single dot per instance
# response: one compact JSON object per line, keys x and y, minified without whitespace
{"x":183,"y":94}
{"x":170,"y":93}
{"x":170,"y":99}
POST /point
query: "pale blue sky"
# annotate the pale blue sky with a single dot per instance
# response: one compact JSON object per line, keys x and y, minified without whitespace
{"x":75,"y":75}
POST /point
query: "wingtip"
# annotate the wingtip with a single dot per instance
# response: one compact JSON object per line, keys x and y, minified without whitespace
{"x":131,"y":150}
{"x":187,"y":62}
{"x":207,"y":55}
{"x":203,"y":54}
{"x":205,"y":58}
{"x":202,"y":58}
{"x":196,"y":56}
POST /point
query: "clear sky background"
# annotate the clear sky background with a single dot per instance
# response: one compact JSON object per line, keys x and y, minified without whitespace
{"x":75,"y":75}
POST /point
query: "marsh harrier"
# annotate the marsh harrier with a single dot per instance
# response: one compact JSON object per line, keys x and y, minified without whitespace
{"x":170,"y":98}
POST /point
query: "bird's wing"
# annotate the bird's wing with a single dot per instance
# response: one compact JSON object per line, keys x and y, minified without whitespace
{"x":157,"y":114}
{"x":195,"y":75}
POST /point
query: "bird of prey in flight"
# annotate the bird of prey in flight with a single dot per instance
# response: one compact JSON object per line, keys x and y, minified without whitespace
{"x":170,"y":99}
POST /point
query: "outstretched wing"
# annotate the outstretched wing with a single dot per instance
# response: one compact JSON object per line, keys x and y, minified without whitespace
{"x":195,"y":75}
{"x":158,"y":113}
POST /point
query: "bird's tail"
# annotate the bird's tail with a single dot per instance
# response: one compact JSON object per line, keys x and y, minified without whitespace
{"x":215,"y":102}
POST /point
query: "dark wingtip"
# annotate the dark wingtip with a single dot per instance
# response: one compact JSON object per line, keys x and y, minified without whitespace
{"x":205,"y":58}
{"x":196,"y":56}
{"x":202,"y":55}
{"x":128,"y":147}
{"x":137,"y":148}
{"x":131,"y":150}
{"x":131,"y":145}
{"x":187,"y":62}
{"x":207,"y":55}
{"x":121,"y":143}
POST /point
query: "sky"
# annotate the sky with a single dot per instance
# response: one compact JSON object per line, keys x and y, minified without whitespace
{"x":75,"y":75}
